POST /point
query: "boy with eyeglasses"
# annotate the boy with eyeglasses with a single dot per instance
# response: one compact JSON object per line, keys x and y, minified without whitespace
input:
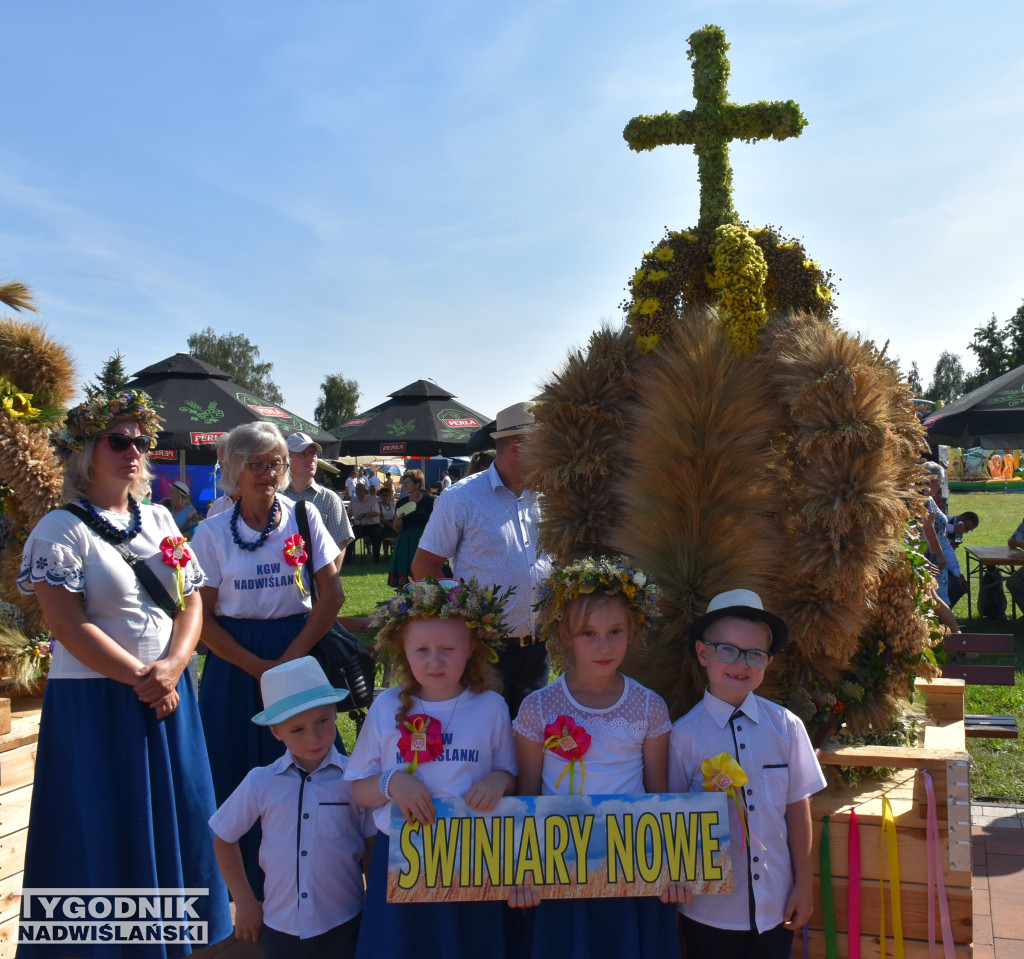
{"x":772,"y":897}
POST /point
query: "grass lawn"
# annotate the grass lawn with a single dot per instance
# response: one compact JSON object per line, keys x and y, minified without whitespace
{"x":997,"y":765}
{"x":366,"y":584}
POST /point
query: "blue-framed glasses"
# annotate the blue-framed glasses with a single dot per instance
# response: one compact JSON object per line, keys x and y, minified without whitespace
{"x":727,"y":653}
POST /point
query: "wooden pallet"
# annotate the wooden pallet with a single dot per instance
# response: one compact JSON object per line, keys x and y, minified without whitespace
{"x":17,"y":770}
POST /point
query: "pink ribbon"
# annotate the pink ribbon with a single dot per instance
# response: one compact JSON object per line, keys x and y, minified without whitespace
{"x":853,"y":900}
{"x":936,"y":879}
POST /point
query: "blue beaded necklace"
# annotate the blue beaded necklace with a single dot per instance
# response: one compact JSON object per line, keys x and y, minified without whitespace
{"x":112,"y":531}
{"x":256,"y":544}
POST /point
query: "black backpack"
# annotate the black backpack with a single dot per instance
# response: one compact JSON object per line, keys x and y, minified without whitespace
{"x":991,"y":598}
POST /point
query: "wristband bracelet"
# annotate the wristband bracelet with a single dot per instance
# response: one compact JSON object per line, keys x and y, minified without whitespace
{"x":384,"y":782}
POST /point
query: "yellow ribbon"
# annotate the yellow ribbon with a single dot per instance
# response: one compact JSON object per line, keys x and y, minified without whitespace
{"x":555,"y":741}
{"x":418,"y":727}
{"x":723,"y":774}
{"x":890,"y":847}
{"x":300,"y":582}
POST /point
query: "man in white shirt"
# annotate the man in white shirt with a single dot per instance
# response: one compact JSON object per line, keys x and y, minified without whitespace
{"x":302,"y":460}
{"x":487,"y":525}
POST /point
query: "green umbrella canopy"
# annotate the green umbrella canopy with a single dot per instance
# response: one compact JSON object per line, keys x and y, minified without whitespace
{"x":421,"y":419}
{"x":200,"y":402}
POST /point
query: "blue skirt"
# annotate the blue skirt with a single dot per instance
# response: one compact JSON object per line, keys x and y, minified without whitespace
{"x":428,"y":930}
{"x":121,"y":800}
{"x":642,"y":928}
{"x":228,"y":699}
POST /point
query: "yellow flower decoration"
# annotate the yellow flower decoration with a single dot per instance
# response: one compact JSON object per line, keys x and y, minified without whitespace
{"x":723,"y":774}
{"x":20,"y":404}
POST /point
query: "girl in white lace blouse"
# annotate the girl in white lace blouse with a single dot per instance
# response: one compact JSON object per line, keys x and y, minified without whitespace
{"x":598,"y":732}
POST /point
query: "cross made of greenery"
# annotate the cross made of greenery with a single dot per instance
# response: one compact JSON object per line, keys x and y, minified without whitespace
{"x":713,"y":123}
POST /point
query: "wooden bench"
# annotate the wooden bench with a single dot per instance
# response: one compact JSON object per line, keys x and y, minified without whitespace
{"x":1000,"y":644}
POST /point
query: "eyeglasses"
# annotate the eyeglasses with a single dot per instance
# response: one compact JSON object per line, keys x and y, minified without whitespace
{"x":119,"y":442}
{"x":277,"y":467}
{"x":727,"y":653}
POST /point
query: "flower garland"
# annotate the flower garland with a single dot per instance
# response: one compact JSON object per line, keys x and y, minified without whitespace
{"x":610,"y":575}
{"x":87,"y":420}
{"x":482,"y":609}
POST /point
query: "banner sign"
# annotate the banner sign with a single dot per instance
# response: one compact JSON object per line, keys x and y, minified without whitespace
{"x":392,"y":449}
{"x":205,"y":439}
{"x":167,"y":455}
{"x":564,"y":846}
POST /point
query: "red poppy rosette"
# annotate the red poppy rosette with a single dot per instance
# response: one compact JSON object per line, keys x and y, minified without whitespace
{"x":420,"y":740}
{"x":175,"y":553}
{"x":569,"y":742}
{"x":295,"y":555}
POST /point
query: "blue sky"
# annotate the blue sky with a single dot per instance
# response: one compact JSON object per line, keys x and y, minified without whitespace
{"x":406,"y":190}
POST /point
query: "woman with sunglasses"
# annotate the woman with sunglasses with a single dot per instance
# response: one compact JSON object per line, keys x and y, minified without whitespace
{"x":256,"y":607}
{"x":122,"y":786}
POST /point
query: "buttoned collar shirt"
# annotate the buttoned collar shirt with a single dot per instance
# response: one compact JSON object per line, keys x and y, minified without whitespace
{"x":313,"y":840}
{"x":331,"y":508}
{"x":772,"y":747}
{"x":489,"y":532}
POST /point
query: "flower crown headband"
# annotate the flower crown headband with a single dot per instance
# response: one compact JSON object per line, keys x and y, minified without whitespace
{"x":611,"y":575}
{"x":482,"y":609}
{"x":87,"y":420}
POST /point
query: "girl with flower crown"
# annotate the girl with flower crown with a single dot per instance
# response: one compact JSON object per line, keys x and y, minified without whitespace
{"x":443,"y":732}
{"x":594,"y":731}
{"x":257,"y":607}
{"x":122,"y":785}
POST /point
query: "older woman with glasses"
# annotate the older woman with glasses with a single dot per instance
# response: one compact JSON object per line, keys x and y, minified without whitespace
{"x":122,"y":786}
{"x":256,"y":607}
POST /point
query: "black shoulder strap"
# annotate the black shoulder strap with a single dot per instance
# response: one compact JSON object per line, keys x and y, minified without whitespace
{"x":146,"y":577}
{"x":302,"y":518}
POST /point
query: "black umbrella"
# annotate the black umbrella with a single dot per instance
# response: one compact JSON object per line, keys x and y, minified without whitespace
{"x":199,"y":403}
{"x":420,"y":419}
{"x":992,"y":416}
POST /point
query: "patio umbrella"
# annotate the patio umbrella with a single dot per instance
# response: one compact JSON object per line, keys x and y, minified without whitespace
{"x":992,"y":416}
{"x":421,"y":419}
{"x":199,"y":403}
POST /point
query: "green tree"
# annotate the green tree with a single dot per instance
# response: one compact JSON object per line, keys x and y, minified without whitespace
{"x":998,"y":349}
{"x":338,"y":402}
{"x":234,"y":354}
{"x":914,"y":380}
{"x":112,"y":378}
{"x":947,"y":380}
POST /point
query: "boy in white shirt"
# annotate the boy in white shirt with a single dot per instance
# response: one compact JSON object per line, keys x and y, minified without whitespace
{"x":735,"y":641}
{"x":313,"y":835}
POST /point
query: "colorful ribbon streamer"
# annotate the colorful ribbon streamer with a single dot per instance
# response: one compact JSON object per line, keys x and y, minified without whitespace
{"x":827,"y":905}
{"x":936,"y":881}
{"x":569,"y":742}
{"x":890,"y":852}
{"x":295,"y":555}
{"x":853,"y":899}
{"x":176,"y":555}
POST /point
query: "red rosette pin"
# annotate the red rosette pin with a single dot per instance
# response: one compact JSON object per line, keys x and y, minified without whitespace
{"x":295,"y":555}
{"x":175,"y":553}
{"x":420,"y":741}
{"x":569,"y":742}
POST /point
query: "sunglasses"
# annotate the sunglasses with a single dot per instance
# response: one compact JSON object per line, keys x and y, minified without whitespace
{"x":258,"y":469}
{"x":727,"y":653}
{"x":119,"y":442}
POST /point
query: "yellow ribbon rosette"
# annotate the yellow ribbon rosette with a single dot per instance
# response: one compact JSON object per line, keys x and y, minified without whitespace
{"x":722,"y":773}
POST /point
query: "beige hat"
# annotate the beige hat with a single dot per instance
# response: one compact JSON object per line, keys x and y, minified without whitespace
{"x":182,"y":487}
{"x":514,"y":420}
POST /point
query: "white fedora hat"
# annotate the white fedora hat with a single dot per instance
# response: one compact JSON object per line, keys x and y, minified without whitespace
{"x":743,"y":604}
{"x":294,"y":687}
